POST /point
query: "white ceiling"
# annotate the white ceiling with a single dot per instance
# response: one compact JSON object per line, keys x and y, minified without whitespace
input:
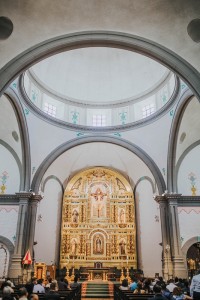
{"x":99,"y":75}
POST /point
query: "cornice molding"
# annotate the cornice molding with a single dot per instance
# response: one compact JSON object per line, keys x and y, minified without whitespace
{"x":178,"y":199}
{"x":14,"y":199}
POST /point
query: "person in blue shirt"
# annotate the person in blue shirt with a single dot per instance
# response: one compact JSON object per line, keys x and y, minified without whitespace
{"x":133,"y":285}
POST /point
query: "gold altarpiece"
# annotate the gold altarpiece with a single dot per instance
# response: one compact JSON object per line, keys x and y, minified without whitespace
{"x":98,"y":221}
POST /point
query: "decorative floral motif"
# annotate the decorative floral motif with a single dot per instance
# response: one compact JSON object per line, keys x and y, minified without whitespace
{"x":171,"y":113}
{"x":164,"y":171}
{"x":4,"y":178}
{"x":75,"y":117}
{"x":123,"y":117}
{"x":26,"y":111}
{"x":192,"y":178}
{"x":117,"y":134}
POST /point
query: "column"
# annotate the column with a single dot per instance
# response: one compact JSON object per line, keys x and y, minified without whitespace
{"x":179,"y":268}
{"x":167,"y":262}
{"x":25,"y":230}
{"x":16,"y":266}
{"x":33,"y":203}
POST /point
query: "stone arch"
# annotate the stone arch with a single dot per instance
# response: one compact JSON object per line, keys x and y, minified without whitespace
{"x":24,"y":135}
{"x":9,"y":245}
{"x":171,"y":172}
{"x":188,"y":244}
{"x":100,"y":38}
{"x":106,"y":139}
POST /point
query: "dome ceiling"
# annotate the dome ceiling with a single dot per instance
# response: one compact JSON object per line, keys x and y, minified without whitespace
{"x":99,"y":75}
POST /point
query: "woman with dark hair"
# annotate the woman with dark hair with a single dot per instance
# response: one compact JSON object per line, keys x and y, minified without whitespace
{"x":178,"y":294}
{"x":124,"y":285}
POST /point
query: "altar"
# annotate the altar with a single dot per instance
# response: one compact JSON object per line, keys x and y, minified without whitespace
{"x":98,"y":273}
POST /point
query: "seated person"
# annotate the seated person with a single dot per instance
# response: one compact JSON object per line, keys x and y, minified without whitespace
{"x":124,"y":285}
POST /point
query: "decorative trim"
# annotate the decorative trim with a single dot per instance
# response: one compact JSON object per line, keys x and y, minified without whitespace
{"x":9,"y":208}
{"x":105,"y":139}
{"x":188,"y":210}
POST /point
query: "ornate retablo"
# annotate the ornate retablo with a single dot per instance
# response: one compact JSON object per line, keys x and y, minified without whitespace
{"x":98,"y":220}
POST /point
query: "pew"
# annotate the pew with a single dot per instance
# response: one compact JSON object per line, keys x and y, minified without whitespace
{"x":128,"y":295}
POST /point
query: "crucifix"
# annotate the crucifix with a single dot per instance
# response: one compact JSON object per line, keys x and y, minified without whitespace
{"x":99,"y":195}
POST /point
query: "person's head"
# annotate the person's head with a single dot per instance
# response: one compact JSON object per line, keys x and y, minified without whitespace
{"x":53,"y":286}
{"x":34,"y":297}
{"x":6,"y":291}
{"x":34,"y":280}
{"x":157,"y":289}
{"x":139,"y":286}
{"x":75,"y":278}
{"x":23,"y":292}
{"x":198,"y":271}
{"x":40,"y":281}
{"x":125,"y":282}
{"x":177,"y":291}
{"x":163,"y":286}
{"x":133,"y":279}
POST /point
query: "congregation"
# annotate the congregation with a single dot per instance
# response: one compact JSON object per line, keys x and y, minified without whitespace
{"x":37,"y":289}
{"x":173,"y":289}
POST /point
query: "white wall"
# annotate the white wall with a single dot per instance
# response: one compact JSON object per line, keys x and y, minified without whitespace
{"x":48,"y":231}
{"x":188,"y":167}
{"x":149,"y":230}
{"x":8,"y":225}
{"x":189,"y":220}
{"x":9,"y":170}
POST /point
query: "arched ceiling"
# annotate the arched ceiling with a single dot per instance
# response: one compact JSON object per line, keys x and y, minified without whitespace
{"x":98,"y":154}
{"x":99,"y":75}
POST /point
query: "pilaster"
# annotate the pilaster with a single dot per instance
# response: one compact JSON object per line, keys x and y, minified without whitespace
{"x":173,"y":260}
{"x":25,"y":230}
{"x":178,"y":260}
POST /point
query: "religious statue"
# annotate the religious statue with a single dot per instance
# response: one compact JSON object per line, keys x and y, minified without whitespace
{"x":75,"y":216}
{"x":122,"y":216}
{"x":122,"y":247}
{"x":191,"y":264}
{"x":74,"y":247}
{"x":99,"y":203}
{"x":98,"y":245}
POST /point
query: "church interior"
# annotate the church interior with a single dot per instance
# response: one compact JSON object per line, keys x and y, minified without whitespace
{"x":99,"y":138}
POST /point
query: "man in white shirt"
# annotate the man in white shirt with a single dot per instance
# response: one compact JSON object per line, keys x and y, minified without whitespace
{"x":38,"y":288}
{"x":195,"y":286}
{"x":171,"y":286}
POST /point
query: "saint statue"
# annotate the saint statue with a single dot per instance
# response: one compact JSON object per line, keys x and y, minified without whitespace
{"x":98,"y":245}
{"x":75,"y":216}
{"x":122,"y":247}
{"x":122,"y":216}
{"x":74,"y":247}
{"x":191,"y":264}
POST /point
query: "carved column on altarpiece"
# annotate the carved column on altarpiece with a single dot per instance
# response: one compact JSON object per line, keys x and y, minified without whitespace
{"x":25,"y":227}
